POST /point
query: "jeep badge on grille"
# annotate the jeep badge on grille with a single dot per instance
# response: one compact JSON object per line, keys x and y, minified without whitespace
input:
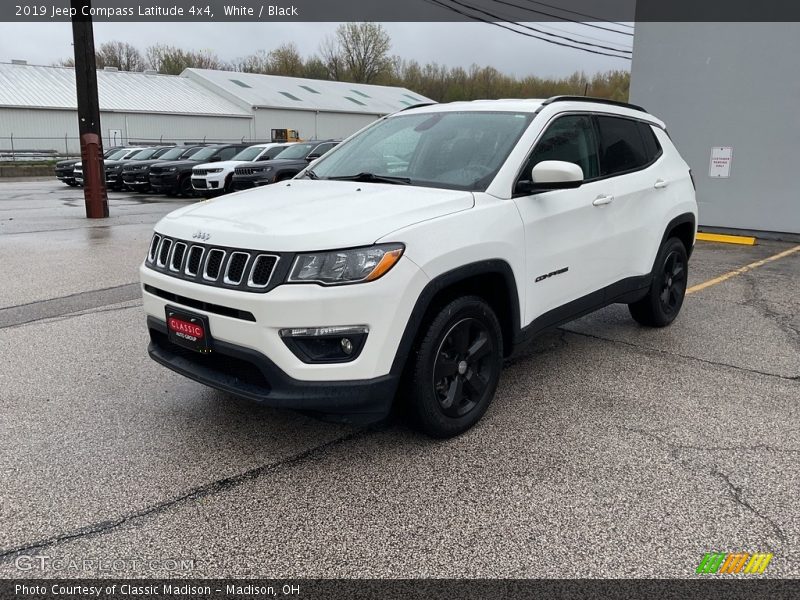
{"x":201,"y":235}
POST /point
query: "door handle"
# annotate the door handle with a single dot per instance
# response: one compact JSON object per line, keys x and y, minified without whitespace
{"x":602,"y":200}
{"x":660,"y":184}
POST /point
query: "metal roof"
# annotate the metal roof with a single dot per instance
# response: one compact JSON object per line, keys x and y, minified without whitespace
{"x":33,"y":86}
{"x":273,"y":91}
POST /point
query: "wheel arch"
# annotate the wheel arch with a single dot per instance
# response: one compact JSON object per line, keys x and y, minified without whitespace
{"x":683,"y":227}
{"x":493,"y":280}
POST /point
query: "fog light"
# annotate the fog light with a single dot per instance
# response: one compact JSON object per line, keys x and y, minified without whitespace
{"x":325,"y":344}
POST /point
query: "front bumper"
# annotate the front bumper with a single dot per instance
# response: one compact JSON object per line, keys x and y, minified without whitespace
{"x":167,"y":182}
{"x":245,"y":182}
{"x":249,"y":374}
{"x":384,"y":306}
{"x":135,"y":179}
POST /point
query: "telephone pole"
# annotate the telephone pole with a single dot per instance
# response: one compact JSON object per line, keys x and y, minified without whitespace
{"x":94,"y":177}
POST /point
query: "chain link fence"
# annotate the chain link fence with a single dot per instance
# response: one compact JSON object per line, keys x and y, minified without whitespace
{"x":26,"y":149}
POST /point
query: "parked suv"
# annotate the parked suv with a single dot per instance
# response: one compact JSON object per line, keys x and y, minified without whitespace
{"x":214,"y":178}
{"x":284,"y":166}
{"x":136,"y":174}
{"x":175,"y":178}
{"x":422,"y":251}
{"x":110,"y":163}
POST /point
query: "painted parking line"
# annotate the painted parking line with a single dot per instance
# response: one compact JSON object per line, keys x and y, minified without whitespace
{"x":741,"y":270}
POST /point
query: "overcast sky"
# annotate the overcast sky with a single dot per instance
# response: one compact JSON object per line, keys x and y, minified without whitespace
{"x":452,"y":44}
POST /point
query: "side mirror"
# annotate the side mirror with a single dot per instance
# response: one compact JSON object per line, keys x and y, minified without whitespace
{"x":552,"y":175}
{"x":215,"y":159}
{"x":311,"y":157}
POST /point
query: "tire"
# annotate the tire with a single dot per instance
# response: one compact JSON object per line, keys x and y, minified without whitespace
{"x":667,"y":290}
{"x":448,"y":391}
{"x":185,"y":187}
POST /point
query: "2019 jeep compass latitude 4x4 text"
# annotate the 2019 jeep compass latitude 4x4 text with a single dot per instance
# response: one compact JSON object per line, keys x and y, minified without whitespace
{"x":408,"y":261}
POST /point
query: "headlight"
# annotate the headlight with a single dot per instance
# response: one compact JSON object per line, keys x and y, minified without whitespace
{"x":345,"y":266}
{"x":172,"y":169}
{"x":214,"y":171}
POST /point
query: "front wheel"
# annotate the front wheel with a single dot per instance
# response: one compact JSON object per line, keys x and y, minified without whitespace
{"x":665,"y":297}
{"x":456,"y":368}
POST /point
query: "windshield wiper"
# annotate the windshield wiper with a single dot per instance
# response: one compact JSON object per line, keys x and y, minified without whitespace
{"x":372,"y":178}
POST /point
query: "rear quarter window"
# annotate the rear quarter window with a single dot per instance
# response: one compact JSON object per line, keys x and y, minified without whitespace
{"x":652,"y":147}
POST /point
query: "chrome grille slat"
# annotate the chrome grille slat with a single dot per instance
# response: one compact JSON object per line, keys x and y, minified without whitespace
{"x":213,"y":266}
{"x":178,"y":252}
{"x":232,"y":268}
{"x":238,"y":263}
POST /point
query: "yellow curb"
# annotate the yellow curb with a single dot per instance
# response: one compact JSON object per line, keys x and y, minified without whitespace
{"x":743,"y":240}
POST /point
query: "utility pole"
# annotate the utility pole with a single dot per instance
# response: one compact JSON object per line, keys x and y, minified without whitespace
{"x":94,"y":177}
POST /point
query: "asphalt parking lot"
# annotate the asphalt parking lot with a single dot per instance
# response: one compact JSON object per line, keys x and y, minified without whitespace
{"x":610,"y":450}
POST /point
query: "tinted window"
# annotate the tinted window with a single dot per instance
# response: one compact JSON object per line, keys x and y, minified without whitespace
{"x":651,"y":146}
{"x":571,"y":139}
{"x":272,"y":152}
{"x":621,"y":145}
{"x":227,"y":153}
{"x":323,"y":148}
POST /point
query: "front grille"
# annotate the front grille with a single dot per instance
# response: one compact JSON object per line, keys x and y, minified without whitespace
{"x":247,"y":170}
{"x":157,"y":170}
{"x":233,"y":268}
{"x":199,"y":171}
{"x":199,"y":183}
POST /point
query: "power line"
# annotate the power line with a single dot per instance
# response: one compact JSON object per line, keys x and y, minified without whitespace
{"x":580,"y":14}
{"x":560,"y":18}
{"x":550,"y":41}
{"x":570,"y":37}
{"x":582,"y":35}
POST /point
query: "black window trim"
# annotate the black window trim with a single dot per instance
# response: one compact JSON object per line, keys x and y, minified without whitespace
{"x":593,"y":114}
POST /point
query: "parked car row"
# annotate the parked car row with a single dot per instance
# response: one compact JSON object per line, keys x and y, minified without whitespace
{"x":208,"y":170}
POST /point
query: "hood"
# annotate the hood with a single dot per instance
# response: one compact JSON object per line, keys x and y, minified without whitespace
{"x":67,"y":163}
{"x":143,"y":163}
{"x":177,"y":163}
{"x":305,"y":215}
{"x":220,"y":164}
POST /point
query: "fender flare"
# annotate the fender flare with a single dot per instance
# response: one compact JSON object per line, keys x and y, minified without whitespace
{"x":441,"y":282}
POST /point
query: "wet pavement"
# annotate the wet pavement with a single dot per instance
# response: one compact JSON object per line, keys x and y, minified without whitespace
{"x":610,"y":450}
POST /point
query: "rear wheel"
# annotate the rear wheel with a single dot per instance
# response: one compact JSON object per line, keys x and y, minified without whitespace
{"x":456,"y":368}
{"x":665,"y":297}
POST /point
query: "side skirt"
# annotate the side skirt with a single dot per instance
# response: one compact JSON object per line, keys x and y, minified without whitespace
{"x":624,"y":291}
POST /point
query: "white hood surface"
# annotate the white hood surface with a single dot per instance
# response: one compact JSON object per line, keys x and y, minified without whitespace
{"x":305,"y":215}
{"x":225,"y":165}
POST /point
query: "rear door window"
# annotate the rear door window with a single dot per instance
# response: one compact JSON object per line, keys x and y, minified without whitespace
{"x":622,"y":148}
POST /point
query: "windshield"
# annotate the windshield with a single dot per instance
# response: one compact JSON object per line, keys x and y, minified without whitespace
{"x":143,"y":154}
{"x":118,"y":154}
{"x":133,"y":153}
{"x":454,"y":150}
{"x":297,"y":151}
{"x":173,"y":153}
{"x":205,"y":153}
{"x":249,"y":153}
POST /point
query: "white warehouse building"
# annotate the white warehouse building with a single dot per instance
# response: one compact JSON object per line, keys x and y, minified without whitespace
{"x":38,"y":107}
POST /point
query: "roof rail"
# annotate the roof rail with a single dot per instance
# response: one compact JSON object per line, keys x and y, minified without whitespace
{"x":591,"y":99}
{"x":420,"y":105}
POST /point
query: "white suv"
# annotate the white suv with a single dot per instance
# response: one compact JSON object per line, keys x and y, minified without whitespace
{"x":410,"y":260}
{"x":214,"y":178}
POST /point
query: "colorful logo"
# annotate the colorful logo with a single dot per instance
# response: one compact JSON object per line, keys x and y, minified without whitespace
{"x":734,"y":562}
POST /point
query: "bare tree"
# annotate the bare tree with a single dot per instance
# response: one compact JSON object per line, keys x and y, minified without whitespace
{"x":172,"y":60}
{"x":365,"y":50}
{"x":332,"y":58}
{"x":286,"y":60}
{"x":121,"y":55}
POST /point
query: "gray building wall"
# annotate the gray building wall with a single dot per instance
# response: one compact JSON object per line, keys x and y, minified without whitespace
{"x":729,"y":84}
{"x":46,"y":129}
{"x":309,"y":124}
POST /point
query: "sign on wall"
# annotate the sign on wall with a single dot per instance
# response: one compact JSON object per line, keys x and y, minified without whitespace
{"x":721,"y":157}
{"x":115,"y":137}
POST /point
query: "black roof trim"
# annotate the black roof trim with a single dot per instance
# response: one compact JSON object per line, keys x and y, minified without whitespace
{"x":420,"y":105}
{"x":591,"y":99}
